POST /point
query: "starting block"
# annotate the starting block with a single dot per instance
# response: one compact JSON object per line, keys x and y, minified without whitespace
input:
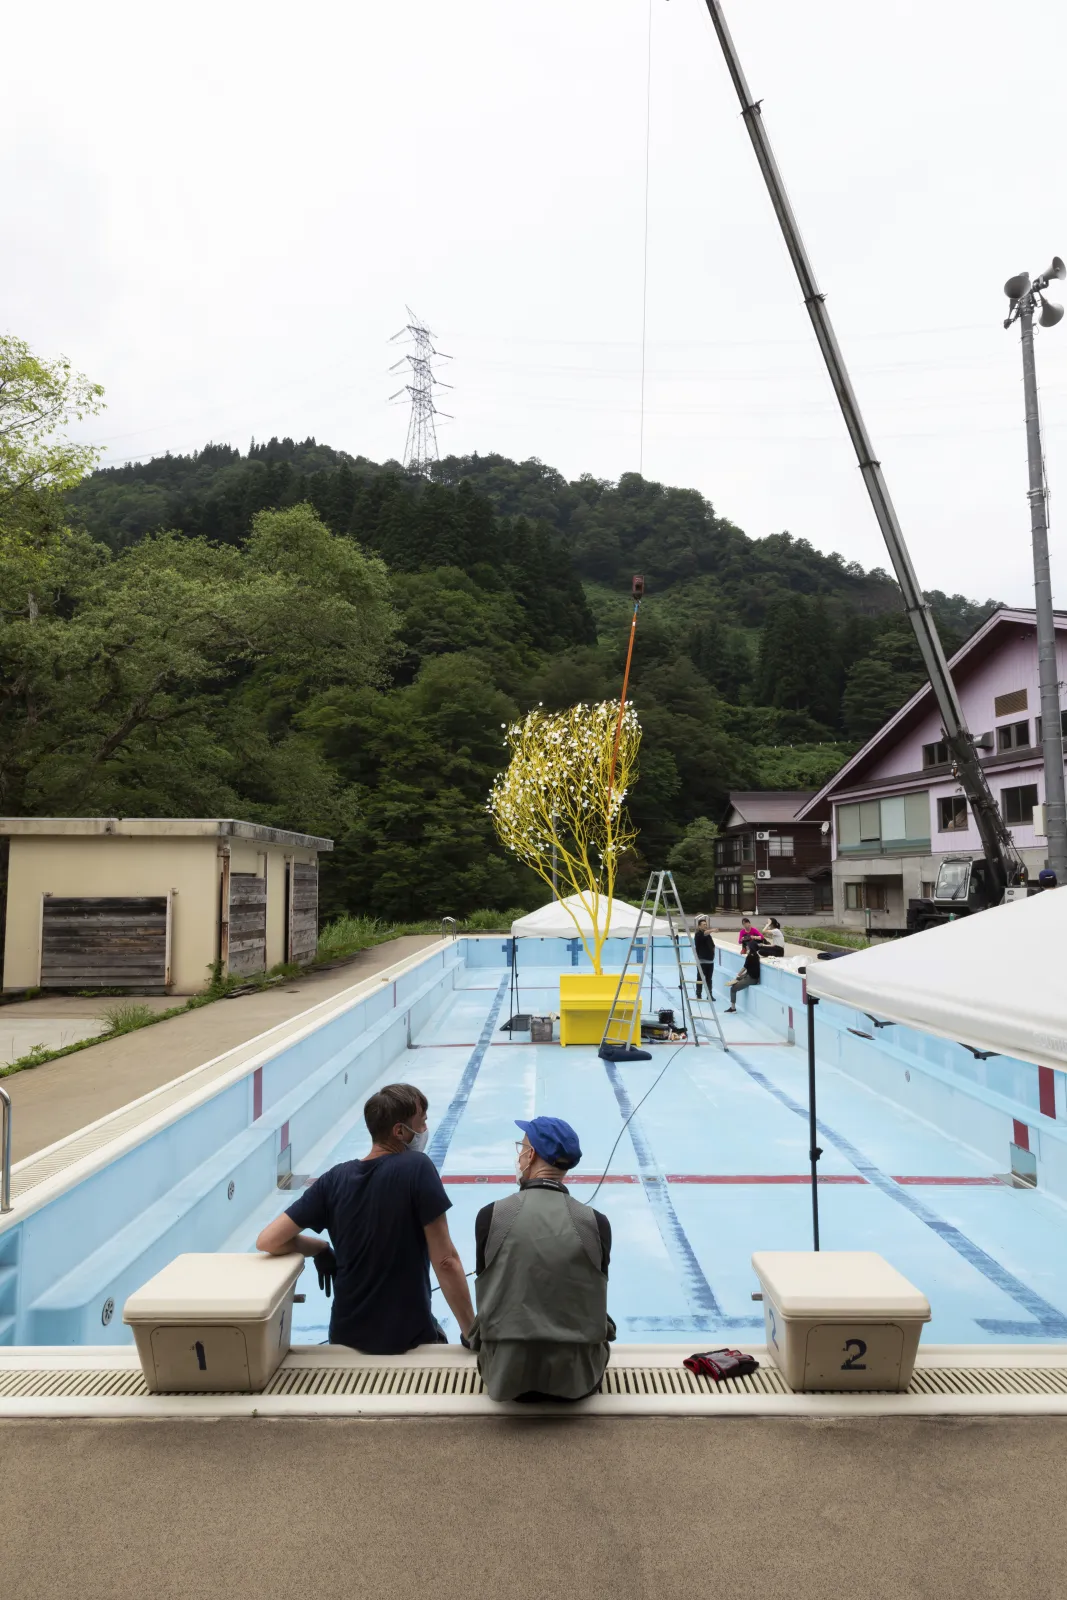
{"x":840,"y":1319}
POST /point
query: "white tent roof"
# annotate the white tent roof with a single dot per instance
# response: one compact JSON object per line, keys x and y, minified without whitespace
{"x":555,"y":922}
{"x":994,"y":980}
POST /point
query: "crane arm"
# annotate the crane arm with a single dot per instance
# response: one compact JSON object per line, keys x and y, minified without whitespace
{"x":997,"y":842}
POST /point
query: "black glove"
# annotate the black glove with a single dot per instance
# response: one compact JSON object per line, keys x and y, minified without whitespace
{"x":326,"y":1267}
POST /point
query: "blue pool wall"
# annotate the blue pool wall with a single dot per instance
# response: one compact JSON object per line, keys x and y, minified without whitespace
{"x":67,"y":1267}
{"x":102,"y":1238}
{"x":984,"y":1104}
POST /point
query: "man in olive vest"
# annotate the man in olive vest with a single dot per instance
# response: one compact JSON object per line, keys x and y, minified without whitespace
{"x":542,"y":1330}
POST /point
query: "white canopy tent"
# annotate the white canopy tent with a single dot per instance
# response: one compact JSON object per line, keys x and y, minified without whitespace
{"x":555,"y":921}
{"x":995,"y":981}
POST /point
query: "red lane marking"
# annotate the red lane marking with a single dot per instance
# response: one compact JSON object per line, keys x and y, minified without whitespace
{"x":727,"y":1178}
{"x":509,"y":1177}
{"x":1022,"y":1134}
{"x":257,"y":1094}
{"x":762,"y":1177}
{"x":1046,"y":1091}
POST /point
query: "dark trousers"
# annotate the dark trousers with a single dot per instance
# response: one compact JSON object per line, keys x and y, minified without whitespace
{"x":705,"y":976}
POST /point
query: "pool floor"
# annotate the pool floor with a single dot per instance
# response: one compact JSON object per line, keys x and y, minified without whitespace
{"x":713,"y":1167}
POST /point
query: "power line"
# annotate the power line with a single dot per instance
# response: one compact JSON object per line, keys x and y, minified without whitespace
{"x":644,"y":272}
{"x":421,"y":450}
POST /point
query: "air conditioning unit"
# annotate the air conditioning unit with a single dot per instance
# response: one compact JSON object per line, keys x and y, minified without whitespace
{"x":763,"y":836}
{"x":762,"y":873}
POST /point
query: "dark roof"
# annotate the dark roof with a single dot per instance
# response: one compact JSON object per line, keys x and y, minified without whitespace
{"x":758,"y":806}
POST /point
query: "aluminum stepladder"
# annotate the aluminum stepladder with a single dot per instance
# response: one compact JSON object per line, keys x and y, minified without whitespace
{"x":699,"y":1016}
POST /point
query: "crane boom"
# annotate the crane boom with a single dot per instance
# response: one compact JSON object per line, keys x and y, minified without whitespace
{"x":997,"y":842}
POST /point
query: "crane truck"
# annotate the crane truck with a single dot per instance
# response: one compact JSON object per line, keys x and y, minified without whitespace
{"x":964,"y":883}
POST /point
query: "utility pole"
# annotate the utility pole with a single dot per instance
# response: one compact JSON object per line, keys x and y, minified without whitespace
{"x":1025,"y":297}
{"x":420,"y":451}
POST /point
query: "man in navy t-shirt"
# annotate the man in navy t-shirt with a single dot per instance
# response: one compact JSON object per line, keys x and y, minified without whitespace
{"x":385,"y":1216}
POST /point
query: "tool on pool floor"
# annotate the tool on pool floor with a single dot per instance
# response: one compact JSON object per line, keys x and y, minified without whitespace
{"x":699,"y":1016}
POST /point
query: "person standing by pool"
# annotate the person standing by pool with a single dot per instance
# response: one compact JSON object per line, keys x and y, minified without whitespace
{"x":542,"y":1331}
{"x":385,"y":1216}
{"x":704,"y":945}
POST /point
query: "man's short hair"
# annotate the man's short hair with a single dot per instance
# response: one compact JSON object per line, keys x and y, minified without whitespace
{"x":397,"y":1102}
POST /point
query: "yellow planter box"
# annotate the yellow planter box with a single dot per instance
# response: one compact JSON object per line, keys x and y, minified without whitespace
{"x":585,"y":1001}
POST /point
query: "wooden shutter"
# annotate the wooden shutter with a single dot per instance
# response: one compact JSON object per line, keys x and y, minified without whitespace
{"x":304,"y":911}
{"x":113,"y":942}
{"x":248,"y":922}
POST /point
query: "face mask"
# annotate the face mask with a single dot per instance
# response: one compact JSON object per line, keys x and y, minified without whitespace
{"x":418,"y":1141}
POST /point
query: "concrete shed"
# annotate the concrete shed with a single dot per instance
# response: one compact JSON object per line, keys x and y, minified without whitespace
{"x":153,"y":903}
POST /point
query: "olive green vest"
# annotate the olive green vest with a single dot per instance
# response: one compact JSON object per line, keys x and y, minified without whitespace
{"x":542,"y":1277}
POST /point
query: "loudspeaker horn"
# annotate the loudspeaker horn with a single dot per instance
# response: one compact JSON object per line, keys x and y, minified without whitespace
{"x":1050,"y":314}
{"x":1057,"y":270}
{"x":1016,"y":287}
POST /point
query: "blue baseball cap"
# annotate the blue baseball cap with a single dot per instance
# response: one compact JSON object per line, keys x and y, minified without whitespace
{"x":554,"y":1140}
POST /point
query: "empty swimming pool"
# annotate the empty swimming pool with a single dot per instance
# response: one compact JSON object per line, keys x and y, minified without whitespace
{"x":712,"y":1167}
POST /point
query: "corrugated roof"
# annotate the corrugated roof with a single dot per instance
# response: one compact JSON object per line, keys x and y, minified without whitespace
{"x":769,"y":805}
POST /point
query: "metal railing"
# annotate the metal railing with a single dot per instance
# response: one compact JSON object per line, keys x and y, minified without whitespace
{"x":448,"y":925}
{"x":5,"y":1176}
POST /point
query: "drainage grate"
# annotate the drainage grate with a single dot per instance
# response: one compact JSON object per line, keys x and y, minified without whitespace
{"x":376,"y":1380}
{"x":58,"y":1385}
{"x":412,"y":1382}
{"x":680,"y":1381}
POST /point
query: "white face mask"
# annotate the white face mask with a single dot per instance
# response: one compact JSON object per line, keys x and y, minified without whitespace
{"x":418,"y":1141}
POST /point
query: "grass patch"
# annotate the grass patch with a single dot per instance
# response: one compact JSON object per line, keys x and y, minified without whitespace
{"x":126,"y":1018}
{"x":827,"y":936}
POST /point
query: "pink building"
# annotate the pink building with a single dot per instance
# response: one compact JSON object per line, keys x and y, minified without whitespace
{"x":895,"y":806}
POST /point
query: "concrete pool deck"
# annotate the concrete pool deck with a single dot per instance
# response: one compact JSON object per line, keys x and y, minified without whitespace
{"x":885,"y":1509}
{"x":60,"y":1097}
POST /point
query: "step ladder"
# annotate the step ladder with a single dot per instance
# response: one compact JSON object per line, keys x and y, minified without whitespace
{"x":699,"y":1017}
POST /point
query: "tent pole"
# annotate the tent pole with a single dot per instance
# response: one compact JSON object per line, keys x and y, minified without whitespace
{"x":814,"y":1152}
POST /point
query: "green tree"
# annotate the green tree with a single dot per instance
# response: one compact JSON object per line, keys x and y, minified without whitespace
{"x":693,"y":863}
{"x":38,"y":401}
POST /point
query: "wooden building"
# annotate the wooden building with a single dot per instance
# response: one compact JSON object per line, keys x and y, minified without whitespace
{"x":153,"y":903}
{"x":767,"y":862}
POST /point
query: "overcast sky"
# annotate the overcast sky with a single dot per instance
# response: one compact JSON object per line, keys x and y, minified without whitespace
{"x":219,"y":211}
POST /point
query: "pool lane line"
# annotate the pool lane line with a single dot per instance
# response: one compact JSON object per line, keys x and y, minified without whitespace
{"x":1048,"y":1321}
{"x":707,"y":1315}
{"x":442,"y":1136}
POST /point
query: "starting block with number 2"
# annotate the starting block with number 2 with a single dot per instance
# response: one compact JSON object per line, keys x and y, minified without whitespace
{"x":840,"y":1319}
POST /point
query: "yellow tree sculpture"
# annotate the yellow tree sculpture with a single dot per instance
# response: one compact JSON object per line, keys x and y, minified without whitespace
{"x":559,"y":802}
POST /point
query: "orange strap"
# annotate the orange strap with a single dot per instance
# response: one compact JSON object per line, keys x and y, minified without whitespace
{"x":622,"y":701}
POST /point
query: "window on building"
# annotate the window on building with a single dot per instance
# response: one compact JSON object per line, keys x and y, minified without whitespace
{"x":952,"y":814}
{"x":1037,"y":727}
{"x":927,"y":890}
{"x":1005,"y":704}
{"x":873,"y":826}
{"x":1017,"y":805}
{"x":746,"y":847}
{"x":935,"y":755}
{"x":866,"y":897}
{"x":779,"y":844}
{"x":1013,"y":736}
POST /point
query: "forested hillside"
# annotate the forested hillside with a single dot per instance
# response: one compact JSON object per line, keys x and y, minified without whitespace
{"x":302,"y":637}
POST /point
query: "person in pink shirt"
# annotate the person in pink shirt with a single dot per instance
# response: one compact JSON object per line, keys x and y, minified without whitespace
{"x":748,"y":931}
